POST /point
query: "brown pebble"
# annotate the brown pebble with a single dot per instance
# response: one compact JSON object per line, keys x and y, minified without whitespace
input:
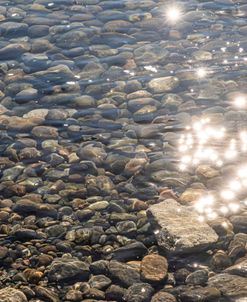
{"x":32,"y":275}
{"x":154,"y":268}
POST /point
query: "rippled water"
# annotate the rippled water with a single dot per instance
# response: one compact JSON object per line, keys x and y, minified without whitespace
{"x":108,"y":107}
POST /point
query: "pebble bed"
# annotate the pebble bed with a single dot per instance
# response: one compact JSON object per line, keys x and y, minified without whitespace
{"x":94,"y":96}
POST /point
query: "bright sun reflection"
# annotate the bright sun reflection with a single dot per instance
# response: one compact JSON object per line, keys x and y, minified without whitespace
{"x":173,"y":14}
{"x":201,"y":72}
{"x":204,"y":143}
{"x":240,"y":101}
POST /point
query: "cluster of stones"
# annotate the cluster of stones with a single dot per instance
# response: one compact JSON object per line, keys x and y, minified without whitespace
{"x":89,"y":191}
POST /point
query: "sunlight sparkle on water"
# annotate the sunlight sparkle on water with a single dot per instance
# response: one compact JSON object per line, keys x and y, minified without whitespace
{"x":206,"y":143}
{"x":240,"y":101}
{"x":201,"y":72}
{"x":173,"y":14}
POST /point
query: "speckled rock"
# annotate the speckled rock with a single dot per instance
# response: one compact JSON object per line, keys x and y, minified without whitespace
{"x":154,"y":268}
{"x":141,"y":292}
{"x":179,"y":229}
{"x":164,"y":84}
{"x":9,"y":294}
{"x":232,"y":286}
{"x":68,"y":269}
{"x":163,"y":297}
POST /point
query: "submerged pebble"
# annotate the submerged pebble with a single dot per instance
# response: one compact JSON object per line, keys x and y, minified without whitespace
{"x":95,"y":97}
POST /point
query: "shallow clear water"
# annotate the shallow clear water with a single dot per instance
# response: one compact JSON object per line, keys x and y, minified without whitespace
{"x":108,"y":107}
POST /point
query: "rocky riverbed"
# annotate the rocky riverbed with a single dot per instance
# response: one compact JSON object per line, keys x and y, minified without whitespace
{"x":94,"y":96}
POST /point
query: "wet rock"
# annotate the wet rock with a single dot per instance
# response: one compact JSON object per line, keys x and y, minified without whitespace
{"x":85,"y":101}
{"x":25,"y":206}
{"x":191,"y":195}
{"x":9,"y":294}
{"x":165,"y":84}
{"x":74,"y":295}
{"x":13,"y":29}
{"x":73,"y":38}
{"x":199,"y":277}
{"x":56,"y":231}
{"x":115,"y":292}
{"x":154,"y":268}
{"x":13,"y":51}
{"x":150,"y":54}
{"x":163,"y":296}
{"x":200,"y":294}
{"x":98,"y":206}
{"x":94,"y":293}
{"x":239,"y":223}
{"x":93,"y":153}
{"x":29,"y":153}
{"x":91,"y":71}
{"x":141,"y":292}
{"x":68,"y":269}
{"x":207,"y":171}
{"x":25,"y":234}
{"x":26,"y":95}
{"x":126,"y":227}
{"x":3,"y":252}
{"x":22,"y":124}
{"x":202,"y":55}
{"x":232,"y":286}
{"x":36,"y":31}
{"x":236,"y":248}
{"x":44,"y":132}
{"x":99,"y":185}
{"x":180,"y":231}
{"x":32,"y":275}
{"x":239,"y":269}
{"x":123,"y":273}
{"x":47,"y":294}
{"x":99,"y":282}
{"x":220,"y":260}
{"x":130,"y":251}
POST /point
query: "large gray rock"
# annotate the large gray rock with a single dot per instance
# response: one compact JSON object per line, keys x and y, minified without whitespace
{"x":179,"y":228}
{"x":233,"y":287}
{"x":123,"y":273}
{"x":68,"y":269}
{"x":9,"y":294}
{"x":238,"y":269}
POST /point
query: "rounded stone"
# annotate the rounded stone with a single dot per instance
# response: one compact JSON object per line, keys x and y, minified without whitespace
{"x":163,"y":84}
{"x":163,"y":297}
{"x":154,"y":268}
{"x":9,"y":294}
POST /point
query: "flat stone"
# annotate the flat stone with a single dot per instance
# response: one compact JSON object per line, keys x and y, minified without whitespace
{"x":13,"y":29}
{"x":180,"y":231}
{"x":232,"y":286}
{"x":239,"y":269}
{"x":47,"y":294}
{"x":131,"y":251}
{"x":200,"y":294}
{"x":12,"y":51}
{"x":9,"y":294}
{"x":28,"y":207}
{"x":123,"y":273}
{"x":44,"y":132}
{"x":68,"y":269}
